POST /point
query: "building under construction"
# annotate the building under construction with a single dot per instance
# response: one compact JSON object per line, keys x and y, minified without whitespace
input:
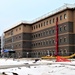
{"x":51,"y":34}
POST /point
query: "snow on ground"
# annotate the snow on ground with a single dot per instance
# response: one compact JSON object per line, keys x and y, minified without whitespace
{"x":41,"y":67}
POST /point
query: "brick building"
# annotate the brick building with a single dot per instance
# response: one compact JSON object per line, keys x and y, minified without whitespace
{"x":37,"y":38}
{"x":0,"y":43}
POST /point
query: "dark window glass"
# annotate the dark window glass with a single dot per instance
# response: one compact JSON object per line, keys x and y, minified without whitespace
{"x":47,"y":23}
{"x":36,"y":35}
{"x":49,"y":31}
{"x":60,"y":40}
{"x":65,"y":16}
{"x":19,"y":36}
{"x":53,"y":20}
{"x":61,"y":17}
{"x":50,"y":22}
{"x":53,"y":30}
{"x":53,"y":40}
{"x":39,"y":34}
{"x":46,"y":32}
{"x":32,"y":28}
{"x":65,"y":39}
{"x":49,"y":41}
{"x":60,"y":29}
{"x":20,"y":28}
{"x":36,"y":26}
{"x":64,"y":27}
{"x":41,"y":25}
{"x":44,"y":23}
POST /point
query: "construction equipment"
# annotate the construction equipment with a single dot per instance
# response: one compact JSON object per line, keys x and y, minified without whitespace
{"x":53,"y":57}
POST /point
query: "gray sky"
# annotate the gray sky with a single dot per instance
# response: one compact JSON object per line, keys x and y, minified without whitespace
{"x":13,"y":11}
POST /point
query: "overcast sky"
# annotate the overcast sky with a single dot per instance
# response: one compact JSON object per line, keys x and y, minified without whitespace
{"x":13,"y":11}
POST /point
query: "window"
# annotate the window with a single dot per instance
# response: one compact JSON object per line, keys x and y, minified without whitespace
{"x":65,"y":51}
{"x":39,"y":34}
{"x":47,"y":23}
{"x":44,"y":23}
{"x":61,"y":17}
{"x":53,"y":41}
{"x":36,"y":26}
{"x":16,"y":45}
{"x":20,"y":28}
{"x":44,"y":43}
{"x":32,"y":36}
{"x":32,"y":28}
{"x":53,"y":20}
{"x":19,"y":36}
{"x":41,"y":42}
{"x":61,"y":51}
{"x":60,"y":29}
{"x":50,"y":22}
{"x":46,"y":32}
{"x":19,"y":44}
{"x":36,"y":35}
{"x":65,"y":17}
{"x":65,"y":40}
{"x":11,"y":32}
{"x":34,"y":44}
{"x":65,"y":27}
{"x":53,"y":30}
{"x":60,"y":40}
{"x":16,"y":37}
{"x":49,"y":31}
{"x":16,"y":29}
{"x":49,"y":41}
{"x":41,"y":25}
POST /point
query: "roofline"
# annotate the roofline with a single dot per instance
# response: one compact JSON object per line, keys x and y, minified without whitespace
{"x":16,"y":25}
{"x":56,"y":11}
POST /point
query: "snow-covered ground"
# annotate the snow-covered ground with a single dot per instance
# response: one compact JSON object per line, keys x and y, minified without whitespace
{"x":41,"y":67}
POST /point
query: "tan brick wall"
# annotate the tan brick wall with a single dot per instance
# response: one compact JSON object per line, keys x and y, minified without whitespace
{"x":17,"y":30}
{"x":74,"y":21}
{"x":27,"y":29}
{"x":68,"y":13}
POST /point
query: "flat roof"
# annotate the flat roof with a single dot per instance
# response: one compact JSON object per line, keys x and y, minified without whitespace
{"x":60,"y":9}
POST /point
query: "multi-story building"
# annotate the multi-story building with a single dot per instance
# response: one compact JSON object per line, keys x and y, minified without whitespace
{"x":0,"y":44}
{"x":38,"y":38}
